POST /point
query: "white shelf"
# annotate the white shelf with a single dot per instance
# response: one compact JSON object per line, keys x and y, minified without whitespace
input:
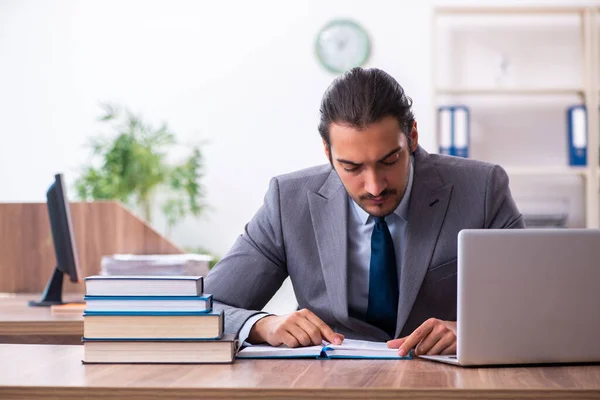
{"x":508,"y":91}
{"x":545,"y":170}
{"x":586,"y":86}
{"x":507,"y":10}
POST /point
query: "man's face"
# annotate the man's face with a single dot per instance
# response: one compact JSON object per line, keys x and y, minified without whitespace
{"x":373,"y":163}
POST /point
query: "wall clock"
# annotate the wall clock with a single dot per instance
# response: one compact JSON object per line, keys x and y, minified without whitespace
{"x":342,"y":45}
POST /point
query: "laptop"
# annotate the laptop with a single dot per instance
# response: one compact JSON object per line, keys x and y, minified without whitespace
{"x":527,"y":296}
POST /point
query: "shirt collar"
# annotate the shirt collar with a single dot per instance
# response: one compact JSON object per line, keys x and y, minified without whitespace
{"x":401,"y":210}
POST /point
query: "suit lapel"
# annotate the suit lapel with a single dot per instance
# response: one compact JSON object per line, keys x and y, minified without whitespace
{"x":427,"y":208}
{"x":328,"y":210}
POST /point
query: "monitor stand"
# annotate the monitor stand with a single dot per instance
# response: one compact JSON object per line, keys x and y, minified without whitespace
{"x":53,"y":293}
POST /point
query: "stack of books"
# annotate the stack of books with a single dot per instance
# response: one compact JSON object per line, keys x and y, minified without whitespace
{"x":153,"y":319}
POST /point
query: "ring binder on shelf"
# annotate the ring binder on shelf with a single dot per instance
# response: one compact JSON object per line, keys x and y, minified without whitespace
{"x":577,"y":133}
{"x":445,"y":130}
{"x":454,"y":129}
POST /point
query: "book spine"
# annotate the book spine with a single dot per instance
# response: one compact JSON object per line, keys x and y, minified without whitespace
{"x":141,"y":278}
{"x":103,"y":339}
{"x":125,"y":313}
{"x":206,"y":297}
{"x":208,"y":313}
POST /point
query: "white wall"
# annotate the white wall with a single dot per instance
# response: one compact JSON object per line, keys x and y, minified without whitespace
{"x":240,"y":74}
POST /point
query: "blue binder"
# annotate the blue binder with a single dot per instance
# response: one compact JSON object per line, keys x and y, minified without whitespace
{"x":445,"y":130}
{"x":454,"y":128}
{"x":577,"y":134}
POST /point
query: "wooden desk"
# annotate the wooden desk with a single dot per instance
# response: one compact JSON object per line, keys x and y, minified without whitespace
{"x":20,"y":323}
{"x":56,"y":372}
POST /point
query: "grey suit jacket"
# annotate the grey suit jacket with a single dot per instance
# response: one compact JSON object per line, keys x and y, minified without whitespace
{"x":301,"y":231}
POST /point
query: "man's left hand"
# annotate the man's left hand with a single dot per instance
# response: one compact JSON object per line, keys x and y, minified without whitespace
{"x":433,"y":337}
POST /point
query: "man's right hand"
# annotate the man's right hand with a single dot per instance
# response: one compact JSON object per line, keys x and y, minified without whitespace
{"x":300,"y":328}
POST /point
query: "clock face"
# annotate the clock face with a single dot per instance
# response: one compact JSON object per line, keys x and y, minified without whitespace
{"x":342,"y":45}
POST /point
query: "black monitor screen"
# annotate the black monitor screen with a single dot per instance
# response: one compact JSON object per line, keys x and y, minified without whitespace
{"x":64,"y":244}
{"x":62,"y":229}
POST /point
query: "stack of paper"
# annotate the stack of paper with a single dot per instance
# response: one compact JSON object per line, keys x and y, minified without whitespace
{"x":156,"y":264}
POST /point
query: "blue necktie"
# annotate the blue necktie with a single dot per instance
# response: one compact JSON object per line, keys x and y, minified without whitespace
{"x":383,"y":279}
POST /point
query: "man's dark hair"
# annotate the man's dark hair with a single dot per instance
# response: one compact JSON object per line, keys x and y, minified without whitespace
{"x":364,"y":96}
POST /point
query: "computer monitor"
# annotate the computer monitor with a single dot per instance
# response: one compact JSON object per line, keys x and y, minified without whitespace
{"x":64,"y":244}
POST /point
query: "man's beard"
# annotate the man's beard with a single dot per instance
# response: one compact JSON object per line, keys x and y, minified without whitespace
{"x":386,"y":193}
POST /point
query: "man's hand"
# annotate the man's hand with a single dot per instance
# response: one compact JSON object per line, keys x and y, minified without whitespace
{"x":433,"y":337}
{"x":300,"y":328}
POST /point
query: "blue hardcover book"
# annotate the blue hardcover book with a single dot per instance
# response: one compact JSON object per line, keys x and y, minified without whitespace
{"x":148,"y":303}
{"x":143,"y":285}
{"x":454,"y":130}
{"x":153,"y":325}
{"x":349,"y":348}
{"x":577,"y":135}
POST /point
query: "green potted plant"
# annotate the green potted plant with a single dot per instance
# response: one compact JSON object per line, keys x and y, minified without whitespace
{"x":130,"y":165}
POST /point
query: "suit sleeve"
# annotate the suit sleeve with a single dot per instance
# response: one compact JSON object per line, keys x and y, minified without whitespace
{"x":500,"y":208}
{"x":253,"y":269}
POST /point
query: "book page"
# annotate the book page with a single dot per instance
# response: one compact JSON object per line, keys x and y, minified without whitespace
{"x":265,"y":350}
{"x":352,"y":344}
{"x":363,"y":349}
{"x":348,"y":349}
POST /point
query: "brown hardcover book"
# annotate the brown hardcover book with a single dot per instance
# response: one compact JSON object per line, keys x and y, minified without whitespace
{"x":156,"y":325}
{"x":160,"y":351}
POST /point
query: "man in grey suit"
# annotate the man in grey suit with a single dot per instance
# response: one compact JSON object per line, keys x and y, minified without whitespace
{"x":368,"y":240}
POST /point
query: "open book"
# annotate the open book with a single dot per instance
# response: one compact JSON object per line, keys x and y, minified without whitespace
{"x":348,"y":349}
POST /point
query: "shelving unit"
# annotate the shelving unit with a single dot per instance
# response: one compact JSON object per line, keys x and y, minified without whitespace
{"x":550,"y":170}
{"x":587,"y":91}
{"x":483,"y":91}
